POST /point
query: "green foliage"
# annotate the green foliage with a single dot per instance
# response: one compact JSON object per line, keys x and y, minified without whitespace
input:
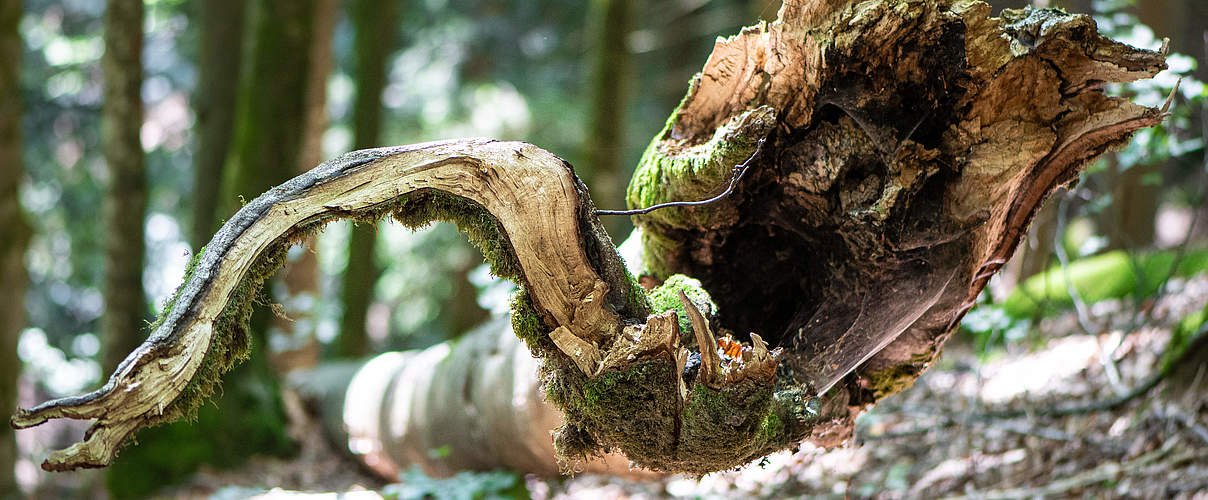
{"x":1111,"y":275}
{"x":991,"y":326}
{"x":465,"y":485}
{"x":1186,"y":332}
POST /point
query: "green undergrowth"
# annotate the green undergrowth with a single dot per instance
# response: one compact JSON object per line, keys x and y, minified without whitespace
{"x":1108,"y":276}
{"x":1184,"y":334}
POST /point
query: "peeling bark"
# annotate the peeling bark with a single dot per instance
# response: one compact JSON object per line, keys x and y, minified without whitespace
{"x":898,"y":151}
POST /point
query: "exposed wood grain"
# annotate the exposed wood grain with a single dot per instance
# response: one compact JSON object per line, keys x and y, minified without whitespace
{"x":530,"y":192}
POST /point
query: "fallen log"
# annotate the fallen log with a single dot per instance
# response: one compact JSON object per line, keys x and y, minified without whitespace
{"x":890,"y":154}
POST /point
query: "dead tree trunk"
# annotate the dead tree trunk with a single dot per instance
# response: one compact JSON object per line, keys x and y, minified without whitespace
{"x":891,"y":155}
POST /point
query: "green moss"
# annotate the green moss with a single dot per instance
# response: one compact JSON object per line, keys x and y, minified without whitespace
{"x":635,"y":409}
{"x":525,"y":322}
{"x":482,"y":229}
{"x":892,"y":380}
{"x":688,"y":174}
{"x":665,"y":297}
{"x":638,"y":301}
{"x":770,"y":426}
{"x":695,"y":172}
{"x":727,"y":428}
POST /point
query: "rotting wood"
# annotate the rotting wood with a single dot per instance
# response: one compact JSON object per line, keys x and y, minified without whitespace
{"x":896,"y":149}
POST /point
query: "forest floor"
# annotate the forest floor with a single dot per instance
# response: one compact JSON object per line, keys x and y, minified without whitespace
{"x":947,"y":436}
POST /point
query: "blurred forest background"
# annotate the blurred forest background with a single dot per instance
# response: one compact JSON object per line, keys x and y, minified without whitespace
{"x":145,"y":123}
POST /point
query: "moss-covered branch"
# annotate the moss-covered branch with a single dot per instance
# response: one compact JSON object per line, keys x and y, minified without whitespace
{"x":520,"y":204}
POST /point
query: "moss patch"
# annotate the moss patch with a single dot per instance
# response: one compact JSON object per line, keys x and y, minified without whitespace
{"x":483,"y":230}
{"x":694,"y":172}
{"x":635,"y":409}
{"x":527,"y":325}
{"x":891,"y":380}
{"x":665,"y":297}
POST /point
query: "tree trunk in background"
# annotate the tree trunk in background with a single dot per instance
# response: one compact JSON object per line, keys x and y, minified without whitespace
{"x":269,"y":140}
{"x":272,"y":114}
{"x":301,"y":275}
{"x":609,"y":21}
{"x":125,"y":315}
{"x":374,"y":23}
{"x":1129,"y":221}
{"x":222,"y":26}
{"x":461,"y":311}
{"x":1037,"y":249}
{"x":13,"y":278}
{"x":1193,"y":39}
{"x":678,"y":53}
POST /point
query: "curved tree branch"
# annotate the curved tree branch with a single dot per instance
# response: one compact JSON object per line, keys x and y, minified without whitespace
{"x":531,"y":195}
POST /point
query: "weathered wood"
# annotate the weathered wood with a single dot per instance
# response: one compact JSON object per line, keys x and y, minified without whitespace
{"x":898,"y":150}
{"x":531,"y":195}
{"x":908,"y":145}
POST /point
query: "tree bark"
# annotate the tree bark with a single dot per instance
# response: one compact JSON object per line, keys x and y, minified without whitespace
{"x":270,"y":137}
{"x":890,"y":156}
{"x":222,"y":26}
{"x":13,"y":278}
{"x":608,"y":91}
{"x":126,"y":199}
{"x":301,"y":275}
{"x":374,"y":22}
